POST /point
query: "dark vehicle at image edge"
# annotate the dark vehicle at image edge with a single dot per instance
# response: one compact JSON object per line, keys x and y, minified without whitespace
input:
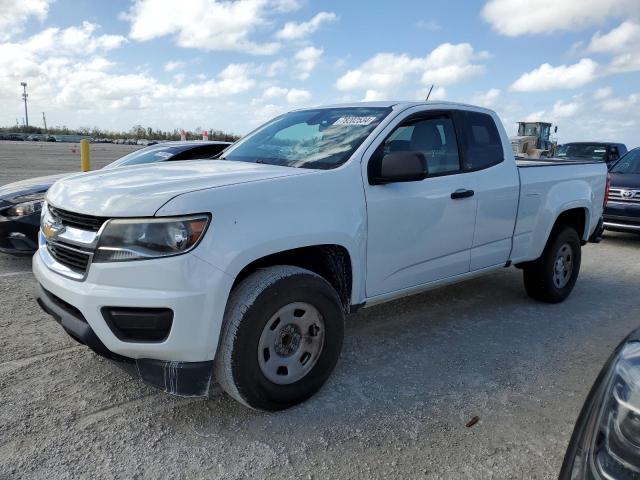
{"x":606,"y":439}
{"x":21,"y":202}
{"x":622,"y":211}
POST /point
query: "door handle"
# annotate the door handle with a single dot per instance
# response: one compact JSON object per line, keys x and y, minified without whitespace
{"x":462,"y":193}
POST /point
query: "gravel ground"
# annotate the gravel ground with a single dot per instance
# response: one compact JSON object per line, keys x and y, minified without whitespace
{"x":412,"y":373}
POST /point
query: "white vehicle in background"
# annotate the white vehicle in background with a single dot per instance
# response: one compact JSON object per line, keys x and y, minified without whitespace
{"x":242,"y":270}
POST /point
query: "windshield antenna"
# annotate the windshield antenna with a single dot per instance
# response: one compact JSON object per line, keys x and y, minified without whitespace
{"x":429,"y":94}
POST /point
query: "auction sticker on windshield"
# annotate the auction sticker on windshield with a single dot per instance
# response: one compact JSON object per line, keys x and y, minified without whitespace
{"x":351,"y":120}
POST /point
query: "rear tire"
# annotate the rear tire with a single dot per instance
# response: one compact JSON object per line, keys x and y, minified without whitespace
{"x":551,"y":278}
{"x":281,"y":338}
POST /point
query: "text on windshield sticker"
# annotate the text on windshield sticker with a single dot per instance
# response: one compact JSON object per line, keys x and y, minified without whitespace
{"x":354,"y":120}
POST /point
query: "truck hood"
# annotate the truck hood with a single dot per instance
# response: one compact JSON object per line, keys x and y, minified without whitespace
{"x":15,"y":190}
{"x":141,"y":190}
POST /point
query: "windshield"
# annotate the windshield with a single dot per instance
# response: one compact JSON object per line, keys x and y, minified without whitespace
{"x":582,"y":150}
{"x":630,"y":163}
{"x":155,"y":153}
{"x":319,"y":138}
{"x":528,"y":129}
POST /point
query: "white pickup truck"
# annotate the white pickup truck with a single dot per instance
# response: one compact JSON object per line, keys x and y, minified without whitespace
{"x":242,"y":269}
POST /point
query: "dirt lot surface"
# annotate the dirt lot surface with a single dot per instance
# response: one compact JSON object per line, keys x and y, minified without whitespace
{"x":412,"y":373}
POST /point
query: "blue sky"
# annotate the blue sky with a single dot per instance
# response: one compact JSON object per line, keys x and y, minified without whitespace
{"x":232,"y":65}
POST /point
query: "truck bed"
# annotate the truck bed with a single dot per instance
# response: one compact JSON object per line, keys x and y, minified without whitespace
{"x":546,"y":190}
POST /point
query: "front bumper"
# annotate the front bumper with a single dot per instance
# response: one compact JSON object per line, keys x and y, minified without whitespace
{"x":19,"y":235}
{"x":622,"y":216}
{"x":178,"y":378}
{"x":195,"y":291}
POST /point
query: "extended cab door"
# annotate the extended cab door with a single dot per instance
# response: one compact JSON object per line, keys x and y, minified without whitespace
{"x":419,"y":231}
{"x":483,"y":143}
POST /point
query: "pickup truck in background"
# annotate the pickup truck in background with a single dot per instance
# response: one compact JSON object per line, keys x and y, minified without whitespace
{"x":605,"y":152}
{"x":622,"y":212}
{"x":242,"y":269}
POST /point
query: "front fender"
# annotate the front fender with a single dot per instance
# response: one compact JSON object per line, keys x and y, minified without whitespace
{"x":257,"y":219}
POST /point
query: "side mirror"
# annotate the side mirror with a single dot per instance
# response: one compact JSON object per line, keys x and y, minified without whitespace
{"x":555,"y":130}
{"x":399,"y":167}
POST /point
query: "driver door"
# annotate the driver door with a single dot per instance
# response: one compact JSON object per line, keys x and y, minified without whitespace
{"x":420,"y":231}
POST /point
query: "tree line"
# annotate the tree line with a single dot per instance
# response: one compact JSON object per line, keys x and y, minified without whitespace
{"x":137,"y":132}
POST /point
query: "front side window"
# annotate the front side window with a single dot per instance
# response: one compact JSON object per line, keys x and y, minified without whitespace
{"x":435,"y":138}
{"x":316,"y":138}
{"x":480,"y":140}
{"x":630,"y":163}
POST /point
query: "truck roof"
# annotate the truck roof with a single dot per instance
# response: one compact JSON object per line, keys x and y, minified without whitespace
{"x":395,"y":104}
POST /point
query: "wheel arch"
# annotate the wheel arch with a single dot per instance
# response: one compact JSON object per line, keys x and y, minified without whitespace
{"x":333,"y":262}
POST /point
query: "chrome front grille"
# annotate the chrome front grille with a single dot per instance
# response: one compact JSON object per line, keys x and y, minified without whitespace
{"x":73,"y":258}
{"x":624,"y":195}
{"x":68,"y":241}
{"x":77,"y":220}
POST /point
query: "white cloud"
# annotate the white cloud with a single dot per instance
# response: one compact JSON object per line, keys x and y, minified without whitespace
{"x":205,"y":24}
{"x":622,"y":41}
{"x":66,"y":71}
{"x":381,"y":75}
{"x":293,"y":96}
{"x":297,"y":96}
{"x":565,"y":109}
{"x":447,"y":64}
{"x":430,"y":25}
{"x":14,"y":14}
{"x":274,"y":68}
{"x":547,"y":77}
{"x":296,"y":31}
{"x":518,"y":17}
{"x":72,"y":41}
{"x":275,"y":92}
{"x":617,"y":104}
{"x":306,"y":60}
{"x":488,"y":98}
{"x":173,"y":65}
{"x":618,"y":40}
{"x":602,"y":93}
{"x":536,"y":116}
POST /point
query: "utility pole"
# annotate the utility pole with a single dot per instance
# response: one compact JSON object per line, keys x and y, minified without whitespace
{"x":44,"y":119}
{"x":24,"y":96}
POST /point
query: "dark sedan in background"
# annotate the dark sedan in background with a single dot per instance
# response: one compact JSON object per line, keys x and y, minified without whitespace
{"x":622,"y":212}
{"x":21,"y":202}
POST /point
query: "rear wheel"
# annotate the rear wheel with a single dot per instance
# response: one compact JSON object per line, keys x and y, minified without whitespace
{"x":281,"y":339}
{"x":552,"y":277}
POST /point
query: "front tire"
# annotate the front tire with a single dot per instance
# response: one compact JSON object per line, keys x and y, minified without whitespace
{"x":552,"y":277}
{"x":281,"y":338}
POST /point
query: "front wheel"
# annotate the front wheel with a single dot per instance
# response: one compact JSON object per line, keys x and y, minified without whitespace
{"x":281,"y":338}
{"x":552,"y":277}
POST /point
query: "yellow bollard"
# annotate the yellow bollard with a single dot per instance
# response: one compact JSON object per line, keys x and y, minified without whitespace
{"x":85,"y":155}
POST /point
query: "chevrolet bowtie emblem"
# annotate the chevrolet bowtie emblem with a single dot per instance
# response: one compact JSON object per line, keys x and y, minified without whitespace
{"x":51,"y":230}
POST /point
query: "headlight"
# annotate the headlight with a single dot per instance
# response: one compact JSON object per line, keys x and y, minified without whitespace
{"x":139,"y":239}
{"x":24,"y":208}
{"x":606,"y":441}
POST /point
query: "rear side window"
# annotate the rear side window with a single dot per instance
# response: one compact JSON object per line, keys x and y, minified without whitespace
{"x":480,"y":141}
